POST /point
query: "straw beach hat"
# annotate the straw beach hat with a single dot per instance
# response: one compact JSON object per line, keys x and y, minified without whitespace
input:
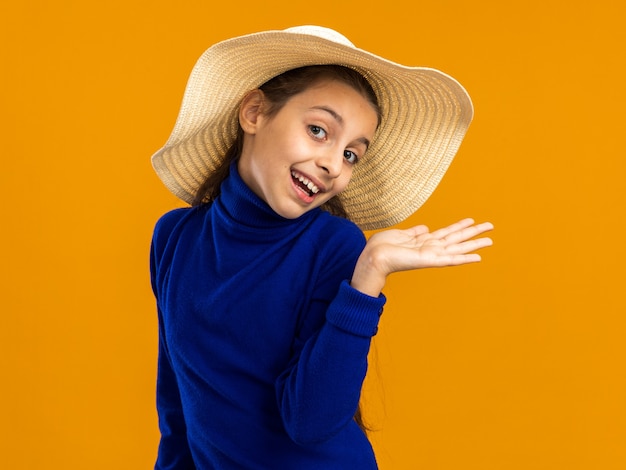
{"x":425,"y":114}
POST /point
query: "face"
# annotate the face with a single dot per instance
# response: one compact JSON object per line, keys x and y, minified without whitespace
{"x":304,"y":155}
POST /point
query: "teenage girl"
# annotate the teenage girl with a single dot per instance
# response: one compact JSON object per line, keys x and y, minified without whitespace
{"x":288,"y":144}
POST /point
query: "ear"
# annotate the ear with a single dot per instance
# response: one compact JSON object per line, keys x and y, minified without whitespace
{"x":249,"y":111}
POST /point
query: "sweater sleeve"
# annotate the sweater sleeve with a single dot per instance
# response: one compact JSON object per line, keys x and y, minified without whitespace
{"x":174,"y":452}
{"x":318,"y":393}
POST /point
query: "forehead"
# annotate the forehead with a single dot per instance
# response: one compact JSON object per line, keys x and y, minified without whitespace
{"x":332,"y":94}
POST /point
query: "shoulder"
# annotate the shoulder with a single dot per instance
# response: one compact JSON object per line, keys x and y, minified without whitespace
{"x":345,"y":231}
{"x":337,"y":240}
{"x":337,"y":231}
{"x":166,"y":224}
{"x":169,"y":220}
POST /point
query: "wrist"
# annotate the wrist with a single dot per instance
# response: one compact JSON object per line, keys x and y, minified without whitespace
{"x":366,"y":277}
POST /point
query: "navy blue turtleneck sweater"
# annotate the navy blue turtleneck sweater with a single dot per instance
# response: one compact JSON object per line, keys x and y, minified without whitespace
{"x":262,"y":342}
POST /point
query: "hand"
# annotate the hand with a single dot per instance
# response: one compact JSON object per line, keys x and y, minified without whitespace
{"x":402,"y":250}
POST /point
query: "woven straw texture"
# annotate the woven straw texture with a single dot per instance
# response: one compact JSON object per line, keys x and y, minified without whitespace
{"x":425,"y":115}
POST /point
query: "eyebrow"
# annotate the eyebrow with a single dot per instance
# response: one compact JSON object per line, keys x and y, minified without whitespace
{"x":330,"y":111}
{"x":339,"y":119}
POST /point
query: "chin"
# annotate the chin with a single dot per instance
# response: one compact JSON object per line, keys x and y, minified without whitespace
{"x":293,"y":212}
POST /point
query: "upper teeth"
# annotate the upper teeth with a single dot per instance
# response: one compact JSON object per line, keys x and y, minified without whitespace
{"x":305,"y":181}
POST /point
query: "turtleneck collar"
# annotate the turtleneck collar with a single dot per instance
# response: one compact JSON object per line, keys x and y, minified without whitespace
{"x":243,"y":209}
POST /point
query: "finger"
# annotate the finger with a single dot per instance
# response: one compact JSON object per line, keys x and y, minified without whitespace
{"x":469,"y":246}
{"x":456,"y":260}
{"x":455,"y":227}
{"x":467,"y":233}
{"x":465,"y":259}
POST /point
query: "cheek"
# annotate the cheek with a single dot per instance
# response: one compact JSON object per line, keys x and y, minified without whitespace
{"x":344,"y":180}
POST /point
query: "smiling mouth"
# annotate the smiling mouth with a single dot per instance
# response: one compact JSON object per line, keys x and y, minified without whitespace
{"x":305,"y":184}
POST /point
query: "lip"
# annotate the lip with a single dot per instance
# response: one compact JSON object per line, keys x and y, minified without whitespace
{"x":312,"y":179}
{"x":305,"y":197}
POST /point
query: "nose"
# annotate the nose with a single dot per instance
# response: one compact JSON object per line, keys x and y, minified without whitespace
{"x":331,"y":162}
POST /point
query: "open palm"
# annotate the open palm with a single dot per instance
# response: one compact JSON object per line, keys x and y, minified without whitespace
{"x":396,"y":250}
{"x":414,"y":248}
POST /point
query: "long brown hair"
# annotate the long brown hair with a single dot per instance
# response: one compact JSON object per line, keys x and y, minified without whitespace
{"x":277,"y":92}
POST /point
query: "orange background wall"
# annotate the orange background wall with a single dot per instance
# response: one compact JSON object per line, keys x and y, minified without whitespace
{"x":515,"y":363}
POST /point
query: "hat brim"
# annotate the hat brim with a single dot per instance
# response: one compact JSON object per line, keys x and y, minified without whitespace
{"x":425,"y":115}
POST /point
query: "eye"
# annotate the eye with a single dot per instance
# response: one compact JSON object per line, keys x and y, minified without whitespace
{"x":317,"y":132}
{"x":350,"y":156}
